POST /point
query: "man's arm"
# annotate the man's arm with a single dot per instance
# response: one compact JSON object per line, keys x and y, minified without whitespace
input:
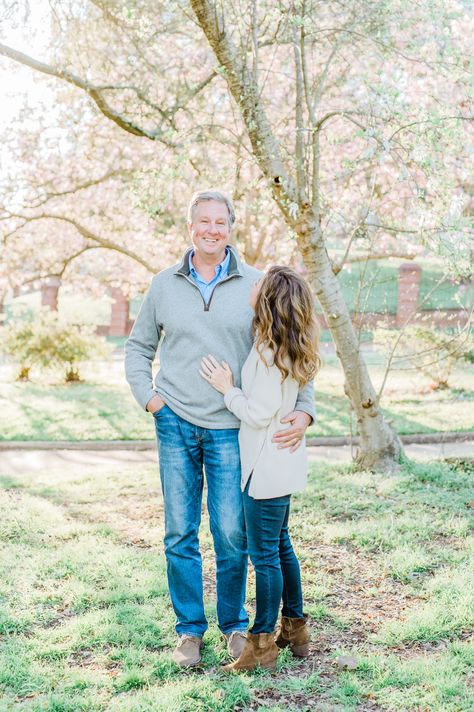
{"x":140,"y":351}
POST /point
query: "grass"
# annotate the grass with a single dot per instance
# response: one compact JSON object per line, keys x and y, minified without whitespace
{"x":103,"y":408}
{"x":388,"y":576}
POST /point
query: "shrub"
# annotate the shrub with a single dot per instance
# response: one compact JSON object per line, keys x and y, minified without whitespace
{"x":47,"y":340}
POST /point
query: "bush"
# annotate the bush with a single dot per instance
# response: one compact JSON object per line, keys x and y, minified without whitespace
{"x":47,"y":340}
{"x":428,"y":350}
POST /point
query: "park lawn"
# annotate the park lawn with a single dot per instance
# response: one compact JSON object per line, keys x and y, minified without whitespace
{"x":388,"y":575}
{"x":103,"y":408}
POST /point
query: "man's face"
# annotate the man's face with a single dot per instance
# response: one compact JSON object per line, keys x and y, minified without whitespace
{"x":209,"y":229}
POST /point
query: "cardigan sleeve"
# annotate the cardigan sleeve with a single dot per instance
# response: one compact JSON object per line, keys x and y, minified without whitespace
{"x":258,"y":409}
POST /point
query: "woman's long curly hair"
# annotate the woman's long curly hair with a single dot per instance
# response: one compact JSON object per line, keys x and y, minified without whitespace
{"x":285,"y":322}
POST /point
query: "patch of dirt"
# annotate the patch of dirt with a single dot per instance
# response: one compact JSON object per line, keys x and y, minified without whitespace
{"x":136,"y":522}
{"x":359,"y":594}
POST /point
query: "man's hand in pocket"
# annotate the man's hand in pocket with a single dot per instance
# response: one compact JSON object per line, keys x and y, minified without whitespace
{"x":155,"y":404}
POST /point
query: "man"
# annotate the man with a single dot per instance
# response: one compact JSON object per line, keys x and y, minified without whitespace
{"x":199,"y":305}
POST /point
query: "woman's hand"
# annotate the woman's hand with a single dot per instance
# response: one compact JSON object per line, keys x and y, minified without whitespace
{"x":217,"y":374}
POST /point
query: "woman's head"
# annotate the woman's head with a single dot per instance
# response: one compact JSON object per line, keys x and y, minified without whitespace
{"x":285,"y":323}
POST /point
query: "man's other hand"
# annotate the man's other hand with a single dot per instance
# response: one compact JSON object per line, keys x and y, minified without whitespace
{"x":155,"y":404}
{"x":292,"y":437}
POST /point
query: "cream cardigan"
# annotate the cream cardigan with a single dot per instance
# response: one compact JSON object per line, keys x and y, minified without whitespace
{"x":260,"y":404}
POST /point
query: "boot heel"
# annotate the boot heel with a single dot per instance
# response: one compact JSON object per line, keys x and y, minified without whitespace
{"x":271,"y":665}
{"x":300,"y":651}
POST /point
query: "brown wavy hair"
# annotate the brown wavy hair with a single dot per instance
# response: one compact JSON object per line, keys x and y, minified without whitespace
{"x":285,"y":322}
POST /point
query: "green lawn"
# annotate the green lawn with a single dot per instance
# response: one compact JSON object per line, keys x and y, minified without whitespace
{"x":388,"y":575}
{"x":103,"y":408}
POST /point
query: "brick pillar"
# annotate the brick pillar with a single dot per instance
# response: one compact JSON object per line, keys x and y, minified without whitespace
{"x":119,"y":323}
{"x":409,"y":275}
{"x":49,"y":293}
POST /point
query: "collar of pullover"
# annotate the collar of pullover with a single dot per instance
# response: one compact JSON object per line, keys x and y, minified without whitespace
{"x":234,"y":264}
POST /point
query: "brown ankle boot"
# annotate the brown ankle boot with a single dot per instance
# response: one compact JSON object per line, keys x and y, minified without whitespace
{"x":260,"y":650}
{"x":295,"y":633}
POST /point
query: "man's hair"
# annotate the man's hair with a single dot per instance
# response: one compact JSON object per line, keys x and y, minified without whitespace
{"x":202,"y":196}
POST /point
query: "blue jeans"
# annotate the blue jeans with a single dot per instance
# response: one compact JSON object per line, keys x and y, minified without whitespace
{"x":184,"y":450}
{"x":276,"y":567}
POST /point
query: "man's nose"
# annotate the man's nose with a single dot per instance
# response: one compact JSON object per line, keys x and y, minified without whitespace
{"x":213,"y":228}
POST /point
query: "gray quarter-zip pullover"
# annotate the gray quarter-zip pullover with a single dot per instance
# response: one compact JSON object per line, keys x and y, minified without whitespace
{"x":175,"y":316}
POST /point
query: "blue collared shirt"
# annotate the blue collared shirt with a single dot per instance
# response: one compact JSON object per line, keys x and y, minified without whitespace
{"x":206,"y":288}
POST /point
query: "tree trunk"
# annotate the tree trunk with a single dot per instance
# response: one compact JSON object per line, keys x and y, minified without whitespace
{"x":380,"y":447}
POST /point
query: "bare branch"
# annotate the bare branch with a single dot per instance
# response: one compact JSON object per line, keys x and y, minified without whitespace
{"x":255,"y":40}
{"x":380,"y":256}
{"x":400,"y":334}
{"x":82,"y":186}
{"x":384,"y":45}
{"x":315,"y":136}
{"x":243,"y":87}
{"x":93,"y":91}
{"x":428,"y":121}
{"x":86,"y":234}
{"x":299,"y":142}
{"x":343,"y":114}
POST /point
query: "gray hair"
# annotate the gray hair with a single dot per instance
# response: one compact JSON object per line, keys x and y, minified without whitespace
{"x":203,"y":195}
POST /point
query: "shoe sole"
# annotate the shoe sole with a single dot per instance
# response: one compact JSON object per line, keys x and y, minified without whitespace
{"x":267,"y":666}
{"x":187,"y":665}
{"x":299,"y":651}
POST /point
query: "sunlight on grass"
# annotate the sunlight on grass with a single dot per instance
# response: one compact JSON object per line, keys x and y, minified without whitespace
{"x":87,"y":623}
{"x":103,"y":408}
{"x":448,"y":610}
{"x":435,"y":682}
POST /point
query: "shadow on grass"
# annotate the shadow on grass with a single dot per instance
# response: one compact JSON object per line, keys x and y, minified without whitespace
{"x":75,"y":412}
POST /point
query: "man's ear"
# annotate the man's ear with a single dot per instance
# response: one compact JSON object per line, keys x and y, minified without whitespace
{"x":190,"y":227}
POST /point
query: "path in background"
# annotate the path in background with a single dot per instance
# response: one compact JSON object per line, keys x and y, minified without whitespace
{"x":13,"y":462}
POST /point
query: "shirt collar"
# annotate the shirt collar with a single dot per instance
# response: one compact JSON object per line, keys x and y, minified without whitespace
{"x":224,"y":265}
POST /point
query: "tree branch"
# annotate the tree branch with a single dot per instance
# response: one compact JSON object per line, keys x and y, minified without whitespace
{"x":93,"y":91}
{"x":86,"y":234}
{"x":244,"y":90}
{"x":315,"y":135}
{"x":299,"y":144}
{"x":381,"y":256}
{"x":83,"y":186}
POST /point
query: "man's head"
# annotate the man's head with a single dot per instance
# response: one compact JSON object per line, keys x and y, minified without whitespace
{"x":210,"y":219}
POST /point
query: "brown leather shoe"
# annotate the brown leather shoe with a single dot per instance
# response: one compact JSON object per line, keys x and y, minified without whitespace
{"x":295,"y":633}
{"x":188,"y":651}
{"x":235,"y":643}
{"x":259,"y":650}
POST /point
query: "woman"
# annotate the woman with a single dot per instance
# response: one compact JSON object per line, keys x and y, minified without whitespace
{"x":283,"y":358}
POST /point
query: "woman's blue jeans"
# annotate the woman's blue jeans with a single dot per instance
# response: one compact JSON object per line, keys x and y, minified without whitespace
{"x":185,"y":450}
{"x":276,"y":567}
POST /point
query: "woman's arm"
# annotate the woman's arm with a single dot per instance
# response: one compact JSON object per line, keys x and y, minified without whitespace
{"x":258,"y":409}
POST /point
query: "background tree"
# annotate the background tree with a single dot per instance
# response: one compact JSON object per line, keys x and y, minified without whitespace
{"x":293,"y":163}
{"x":340,"y":107}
